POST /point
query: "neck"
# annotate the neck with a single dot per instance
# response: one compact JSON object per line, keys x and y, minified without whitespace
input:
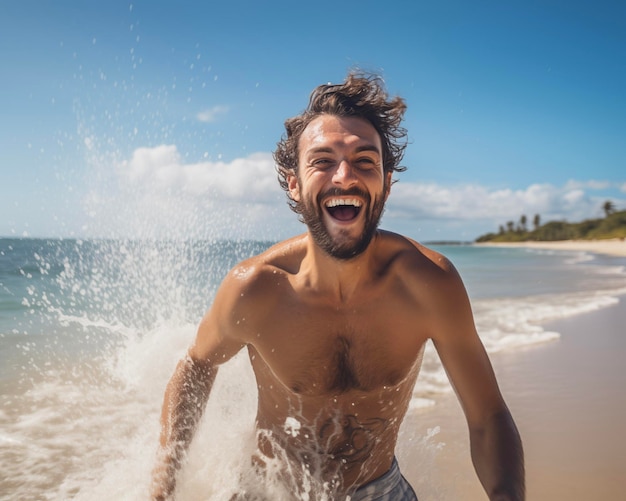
{"x":338,"y":279}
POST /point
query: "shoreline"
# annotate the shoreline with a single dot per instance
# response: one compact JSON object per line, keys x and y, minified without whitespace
{"x":611,"y":247}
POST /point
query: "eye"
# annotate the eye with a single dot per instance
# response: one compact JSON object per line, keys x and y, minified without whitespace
{"x":322,"y":163}
{"x":366,"y":162}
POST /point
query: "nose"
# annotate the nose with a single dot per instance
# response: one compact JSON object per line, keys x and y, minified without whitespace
{"x":344,"y":174}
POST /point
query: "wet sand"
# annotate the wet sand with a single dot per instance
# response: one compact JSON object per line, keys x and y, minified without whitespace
{"x":568,"y":398}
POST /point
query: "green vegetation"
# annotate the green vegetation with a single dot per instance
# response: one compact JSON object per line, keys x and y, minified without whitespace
{"x":613,"y":225}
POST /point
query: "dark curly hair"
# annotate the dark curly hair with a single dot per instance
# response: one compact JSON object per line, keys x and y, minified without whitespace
{"x":361,"y":95}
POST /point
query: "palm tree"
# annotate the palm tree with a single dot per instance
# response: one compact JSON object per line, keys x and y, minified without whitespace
{"x":609,"y":208}
{"x":522,"y":221}
{"x":537,"y":221}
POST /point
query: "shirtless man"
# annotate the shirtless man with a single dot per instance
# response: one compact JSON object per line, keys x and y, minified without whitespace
{"x":335,"y":321}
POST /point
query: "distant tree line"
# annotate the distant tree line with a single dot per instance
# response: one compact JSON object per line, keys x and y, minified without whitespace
{"x":613,"y":225}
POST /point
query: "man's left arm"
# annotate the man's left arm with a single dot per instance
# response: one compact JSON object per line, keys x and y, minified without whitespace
{"x":496,"y":447}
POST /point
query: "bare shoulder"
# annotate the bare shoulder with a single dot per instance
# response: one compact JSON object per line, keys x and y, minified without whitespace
{"x":251,"y":286}
{"x":427,"y":276}
{"x":415,"y":260}
{"x":434,"y":283}
{"x":269,"y":266}
{"x":249,"y":291}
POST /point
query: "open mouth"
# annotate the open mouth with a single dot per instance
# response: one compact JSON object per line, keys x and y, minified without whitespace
{"x":345,"y":209}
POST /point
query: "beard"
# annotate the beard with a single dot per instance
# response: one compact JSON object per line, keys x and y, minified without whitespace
{"x":343,"y":246}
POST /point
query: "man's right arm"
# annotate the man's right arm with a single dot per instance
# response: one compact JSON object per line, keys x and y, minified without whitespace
{"x":218,"y":339}
{"x":185,"y":398}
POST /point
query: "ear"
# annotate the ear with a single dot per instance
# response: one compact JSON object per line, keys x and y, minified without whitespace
{"x":294,"y":187}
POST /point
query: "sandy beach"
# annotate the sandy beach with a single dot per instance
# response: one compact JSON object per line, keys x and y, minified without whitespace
{"x":612,"y":247}
{"x":566,"y":394}
{"x":567,"y":397}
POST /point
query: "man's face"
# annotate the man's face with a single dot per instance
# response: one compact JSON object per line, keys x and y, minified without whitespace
{"x":340,"y":187}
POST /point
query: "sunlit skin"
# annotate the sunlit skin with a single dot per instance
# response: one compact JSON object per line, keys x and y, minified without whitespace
{"x":340,"y":162}
{"x":336,"y":343}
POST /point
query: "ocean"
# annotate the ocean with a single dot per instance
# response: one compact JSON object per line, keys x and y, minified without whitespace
{"x":90,"y":331}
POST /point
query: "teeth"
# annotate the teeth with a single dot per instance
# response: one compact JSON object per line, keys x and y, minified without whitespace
{"x":343,"y":201}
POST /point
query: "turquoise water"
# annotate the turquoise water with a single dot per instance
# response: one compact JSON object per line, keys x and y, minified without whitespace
{"x":91,"y":330}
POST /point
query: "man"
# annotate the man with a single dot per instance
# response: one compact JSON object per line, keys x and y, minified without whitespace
{"x":335,"y":322}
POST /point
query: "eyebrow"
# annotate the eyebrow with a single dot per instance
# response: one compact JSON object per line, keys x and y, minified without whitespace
{"x":359,"y":149}
{"x":368,"y":147}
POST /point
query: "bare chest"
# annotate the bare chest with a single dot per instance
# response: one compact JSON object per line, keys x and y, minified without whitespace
{"x":325,"y":350}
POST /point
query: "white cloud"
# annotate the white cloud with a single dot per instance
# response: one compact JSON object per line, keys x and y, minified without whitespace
{"x":249,"y":179}
{"x":211,"y":114}
{"x":158,"y":194}
{"x":574,"y":197}
{"x":622,"y":188}
{"x":473,"y":203}
{"x":591,"y":184}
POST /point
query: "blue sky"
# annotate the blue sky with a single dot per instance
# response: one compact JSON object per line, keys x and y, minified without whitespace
{"x":152,"y":118}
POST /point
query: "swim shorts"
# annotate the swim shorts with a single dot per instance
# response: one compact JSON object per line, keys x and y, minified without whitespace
{"x":392,"y":486}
